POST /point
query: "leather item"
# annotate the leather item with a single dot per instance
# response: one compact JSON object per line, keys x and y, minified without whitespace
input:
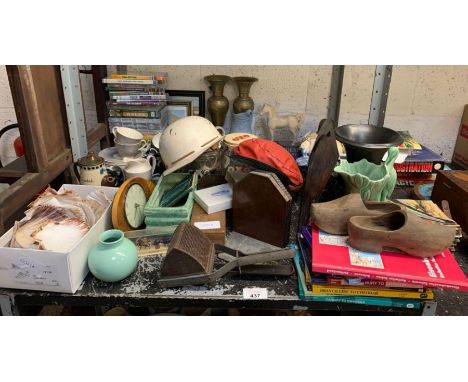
{"x":272,"y":154}
{"x":262,"y":208}
{"x":333,"y":216}
{"x":401,"y":230}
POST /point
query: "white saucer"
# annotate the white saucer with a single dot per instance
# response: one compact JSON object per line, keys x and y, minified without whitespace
{"x":112,"y":157}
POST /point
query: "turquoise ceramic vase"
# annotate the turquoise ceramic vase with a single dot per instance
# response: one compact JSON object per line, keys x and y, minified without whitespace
{"x":113,"y":258}
{"x":373,"y":182}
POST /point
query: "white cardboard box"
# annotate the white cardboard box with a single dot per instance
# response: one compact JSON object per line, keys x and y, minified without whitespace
{"x":52,"y":271}
{"x":214,"y":199}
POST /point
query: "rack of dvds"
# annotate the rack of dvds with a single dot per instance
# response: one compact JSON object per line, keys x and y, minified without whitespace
{"x":137,"y":101}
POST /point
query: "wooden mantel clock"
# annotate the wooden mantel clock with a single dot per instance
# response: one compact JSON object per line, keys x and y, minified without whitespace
{"x":129,"y":204}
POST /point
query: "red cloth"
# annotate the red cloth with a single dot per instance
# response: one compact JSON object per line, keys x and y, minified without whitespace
{"x":272,"y":154}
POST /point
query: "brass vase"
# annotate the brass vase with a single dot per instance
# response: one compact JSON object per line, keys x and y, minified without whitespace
{"x":243,"y":102}
{"x":218,"y":104}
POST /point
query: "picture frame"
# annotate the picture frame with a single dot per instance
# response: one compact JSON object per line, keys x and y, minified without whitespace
{"x":196,"y":96}
{"x":149,"y":243}
{"x":177,"y":110}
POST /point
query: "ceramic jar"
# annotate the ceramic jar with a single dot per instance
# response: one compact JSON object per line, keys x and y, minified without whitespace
{"x":113,"y":258}
{"x":90,"y":169}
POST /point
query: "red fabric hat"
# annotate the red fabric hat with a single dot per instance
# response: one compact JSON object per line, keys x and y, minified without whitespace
{"x":272,"y":154}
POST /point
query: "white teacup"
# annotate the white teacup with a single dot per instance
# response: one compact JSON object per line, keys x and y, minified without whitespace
{"x":131,"y":150}
{"x":126,"y":135}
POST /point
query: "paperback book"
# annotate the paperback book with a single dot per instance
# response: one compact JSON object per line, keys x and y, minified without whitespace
{"x":330,"y":290}
{"x":421,"y":161}
{"x":409,"y":143}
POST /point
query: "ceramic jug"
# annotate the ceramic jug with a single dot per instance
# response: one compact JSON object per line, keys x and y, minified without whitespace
{"x":140,"y":168}
{"x":90,"y":169}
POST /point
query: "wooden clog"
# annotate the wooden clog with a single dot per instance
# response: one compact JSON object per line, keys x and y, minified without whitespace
{"x":333,"y":216}
{"x":401,"y":230}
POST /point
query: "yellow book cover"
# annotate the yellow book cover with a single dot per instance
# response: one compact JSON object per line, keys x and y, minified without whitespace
{"x":328,"y":290}
{"x":131,"y":77}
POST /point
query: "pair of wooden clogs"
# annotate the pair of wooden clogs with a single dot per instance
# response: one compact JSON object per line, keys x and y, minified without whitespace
{"x":371,"y":226}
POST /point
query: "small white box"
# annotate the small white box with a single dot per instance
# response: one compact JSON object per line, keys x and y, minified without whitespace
{"x":214,"y":199}
{"x":52,"y":271}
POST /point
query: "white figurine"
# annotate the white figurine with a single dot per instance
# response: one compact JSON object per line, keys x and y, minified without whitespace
{"x":292,"y":122}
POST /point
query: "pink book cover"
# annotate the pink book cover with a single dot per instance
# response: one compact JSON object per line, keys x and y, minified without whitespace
{"x":331,"y":254}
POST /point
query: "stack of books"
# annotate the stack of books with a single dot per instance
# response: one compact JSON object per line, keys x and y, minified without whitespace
{"x":329,"y":270}
{"x":420,"y":164}
{"x":137,"y":101}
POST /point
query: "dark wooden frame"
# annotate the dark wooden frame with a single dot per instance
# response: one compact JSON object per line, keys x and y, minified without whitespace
{"x":200,"y":94}
{"x":187,"y":104}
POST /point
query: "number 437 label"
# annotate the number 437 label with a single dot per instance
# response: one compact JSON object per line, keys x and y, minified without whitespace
{"x":255,"y":293}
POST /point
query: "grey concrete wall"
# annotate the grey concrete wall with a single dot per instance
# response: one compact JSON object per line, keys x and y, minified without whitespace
{"x":426,"y":100}
{"x":7,"y":110}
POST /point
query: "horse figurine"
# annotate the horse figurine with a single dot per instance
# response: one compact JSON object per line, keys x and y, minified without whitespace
{"x":292,"y":122}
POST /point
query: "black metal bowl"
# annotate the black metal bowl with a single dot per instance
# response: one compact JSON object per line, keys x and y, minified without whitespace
{"x":367,"y":141}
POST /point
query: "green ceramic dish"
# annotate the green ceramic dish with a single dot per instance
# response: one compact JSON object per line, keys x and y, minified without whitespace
{"x":374,"y":182}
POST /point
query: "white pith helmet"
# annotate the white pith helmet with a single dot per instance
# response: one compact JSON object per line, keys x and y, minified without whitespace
{"x":185,"y":140}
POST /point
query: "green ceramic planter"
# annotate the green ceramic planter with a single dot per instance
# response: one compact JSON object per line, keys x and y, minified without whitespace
{"x":157,"y":216}
{"x":374,"y":182}
{"x":113,"y":258}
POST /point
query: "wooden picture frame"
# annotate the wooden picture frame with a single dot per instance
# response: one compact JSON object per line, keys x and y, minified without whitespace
{"x":196,"y":96}
{"x":177,"y":110}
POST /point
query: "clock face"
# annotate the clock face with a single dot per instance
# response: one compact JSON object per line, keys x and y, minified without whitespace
{"x":135,"y":201}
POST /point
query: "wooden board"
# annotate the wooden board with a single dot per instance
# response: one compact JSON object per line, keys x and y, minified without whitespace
{"x":40,"y":109}
{"x":453,"y":187}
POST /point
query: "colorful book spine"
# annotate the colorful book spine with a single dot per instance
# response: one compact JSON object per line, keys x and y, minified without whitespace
{"x":140,"y":97}
{"x":135,"y":103}
{"x":114,"y":93}
{"x":330,"y":290}
{"x":372,"y":301}
{"x":131,"y":87}
{"x":417,"y":167}
{"x":131,"y":77}
{"x":134,"y":113}
{"x":341,"y":281}
{"x":123,"y":81}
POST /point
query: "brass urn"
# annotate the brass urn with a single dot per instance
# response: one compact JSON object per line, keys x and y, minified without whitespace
{"x":243,"y":102}
{"x":218,"y":104}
